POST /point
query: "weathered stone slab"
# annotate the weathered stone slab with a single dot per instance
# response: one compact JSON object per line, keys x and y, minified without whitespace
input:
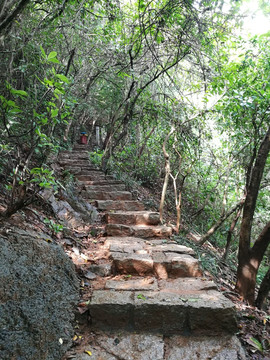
{"x":133,"y":346}
{"x":152,"y":231}
{"x":101,"y":269}
{"x":175,"y":248}
{"x":159,"y":313}
{"x":145,"y":346}
{"x":223,"y":347}
{"x":101,"y":182}
{"x":107,"y":205}
{"x":138,"y":231}
{"x":130,"y":256}
{"x":73,"y":155}
{"x":142,"y":284}
{"x":112,"y":309}
{"x":103,"y":195}
{"x":187,"y":286}
{"x":139,"y":264}
{"x":183,"y":266}
{"x":106,"y":187}
{"x":124,"y":244}
{"x":74,"y":162}
{"x":212,"y":312}
{"x":92,"y":175}
{"x":169,"y":311}
{"x":133,"y":218}
{"x":79,"y":169}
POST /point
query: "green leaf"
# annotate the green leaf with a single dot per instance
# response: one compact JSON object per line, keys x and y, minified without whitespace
{"x":54,"y":112}
{"x":52,"y":55}
{"x":54,"y":60}
{"x":11,"y":103}
{"x":255,"y":343}
{"x":20,"y":93}
{"x":43,"y":52}
{"x":141,"y":297}
{"x":63,"y":78}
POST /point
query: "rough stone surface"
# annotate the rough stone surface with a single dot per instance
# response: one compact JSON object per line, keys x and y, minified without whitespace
{"x":141,"y":284}
{"x":138,"y":231}
{"x":133,"y":218}
{"x":155,"y":347}
{"x":91,"y":176}
{"x":171,"y":310}
{"x":38,"y":290}
{"x":167,"y":248}
{"x":125,"y":347}
{"x":101,"y":195}
{"x":73,"y":212}
{"x":107,"y":205}
{"x":132,"y":255}
{"x":101,"y":269}
{"x":106,"y":187}
{"x":112,"y":309}
{"x":124,"y":244}
{"x":134,"y":346}
{"x":140,"y":264}
{"x":204,"y":348}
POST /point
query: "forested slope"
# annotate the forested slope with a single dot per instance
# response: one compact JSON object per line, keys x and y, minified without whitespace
{"x":152,"y":83}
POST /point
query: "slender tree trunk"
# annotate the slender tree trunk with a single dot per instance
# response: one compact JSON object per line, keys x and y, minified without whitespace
{"x":167,"y":175}
{"x":231,"y":230}
{"x":145,"y":142}
{"x":249,"y":259}
{"x":220,"y":221}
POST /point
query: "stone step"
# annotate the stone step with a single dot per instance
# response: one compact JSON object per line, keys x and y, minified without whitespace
{"x":94,"y":175}
{"x":103,"y":195}
{"x":73,"y":156}
{"x":81,"y":147}
{"x":143,"y":231}
{"x":137,"y":256}
{"x":186,"y":306}
{"x":106,"y":187}
{"x":75,"y":162}
{"x":110,"y":205}
{"x":133,"y":217}
{"x":145,"y":346}
{"x":78,"y":170}
{"x":82,"y":164}
{"x":100,"y":182}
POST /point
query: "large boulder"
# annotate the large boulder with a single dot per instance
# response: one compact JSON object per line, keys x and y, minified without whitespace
{"x":38,"y":291}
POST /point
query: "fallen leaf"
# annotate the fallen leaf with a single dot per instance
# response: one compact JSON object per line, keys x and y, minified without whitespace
{"x":88,"y":352}
{"x":255,"y":343}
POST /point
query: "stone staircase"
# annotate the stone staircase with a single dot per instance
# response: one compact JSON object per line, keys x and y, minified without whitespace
{"x":156,"y":290}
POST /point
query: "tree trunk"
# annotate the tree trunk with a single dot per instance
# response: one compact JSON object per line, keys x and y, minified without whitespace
{"x":232,"y":227}
{"x":220,"y":221}
{"x":167,"y":175}
{"x":8,"y":15}
{"x":249,"y":259}
{"x":264,"y":290}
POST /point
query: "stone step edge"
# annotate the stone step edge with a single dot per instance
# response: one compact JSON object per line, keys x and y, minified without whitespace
{"x":163,"y":312}
{"x":144,"y":231}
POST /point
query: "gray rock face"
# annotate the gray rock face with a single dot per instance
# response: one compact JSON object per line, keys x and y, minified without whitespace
{"x":38,"y":290}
